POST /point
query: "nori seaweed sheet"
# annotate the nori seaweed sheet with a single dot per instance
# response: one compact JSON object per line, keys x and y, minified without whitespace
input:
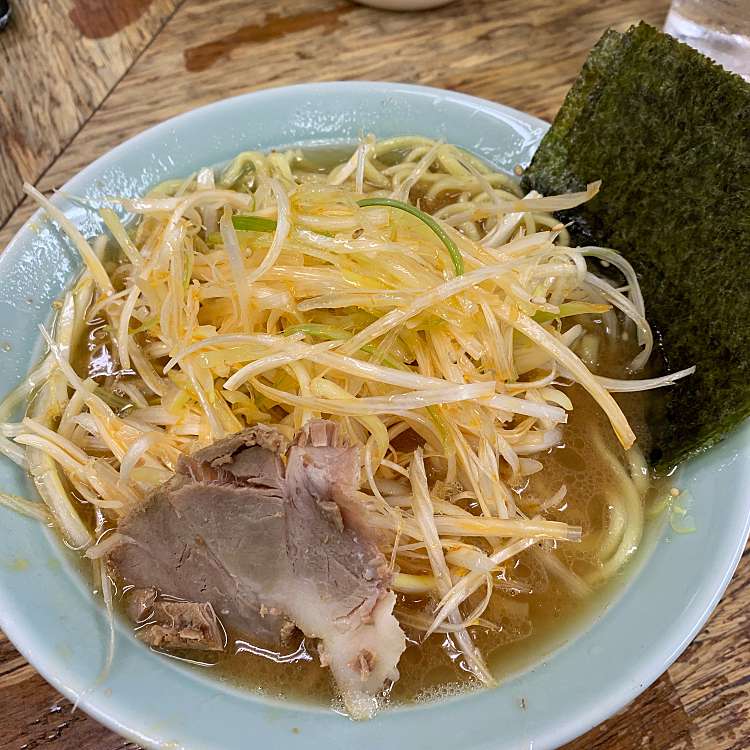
{"x":668,"y":133}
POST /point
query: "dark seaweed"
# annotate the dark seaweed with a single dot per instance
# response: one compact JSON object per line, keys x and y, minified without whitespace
{"x":668,"y":133}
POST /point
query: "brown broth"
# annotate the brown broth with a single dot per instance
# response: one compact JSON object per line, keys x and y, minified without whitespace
{"x":434,"y":668}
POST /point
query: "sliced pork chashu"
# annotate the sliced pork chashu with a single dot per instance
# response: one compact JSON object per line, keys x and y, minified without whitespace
{"x":271,"y":547}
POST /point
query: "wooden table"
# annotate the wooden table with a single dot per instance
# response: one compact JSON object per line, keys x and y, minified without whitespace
{"x":77,"y":77}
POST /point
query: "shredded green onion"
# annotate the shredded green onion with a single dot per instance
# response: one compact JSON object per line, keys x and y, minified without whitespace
{"x":332,"y":333}
{"x":319,"y":331}
{"x":253,"y":224}
{"x":450,"y":245}
{"x":147,"y":325}
{"x":681,"y":519}
{"x":424,"y":374}
{"x":113,"y":400}
{"x":568,"y":309}
{"x":244,"y":224}
{"x":28,"y":508}
{"x":260,"y":224}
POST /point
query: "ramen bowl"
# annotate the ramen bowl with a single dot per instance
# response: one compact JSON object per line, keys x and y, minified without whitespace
{"x":590,"y":669}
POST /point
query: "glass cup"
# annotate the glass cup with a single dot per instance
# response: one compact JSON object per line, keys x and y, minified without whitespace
{"x":720,"y":29}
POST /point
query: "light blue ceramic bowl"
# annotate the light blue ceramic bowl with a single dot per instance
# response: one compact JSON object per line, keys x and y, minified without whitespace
{"x":51,"y":616}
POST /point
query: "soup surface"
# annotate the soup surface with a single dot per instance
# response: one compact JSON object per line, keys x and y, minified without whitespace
{"x":534,"y":618}
{"x":494,"y":418}
{"x":535,"y":612}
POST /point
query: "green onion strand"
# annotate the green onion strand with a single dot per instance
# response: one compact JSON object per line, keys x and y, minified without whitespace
{"x":253,"y":224}
{"x":332,"y":333}
{"x":450,"y":245}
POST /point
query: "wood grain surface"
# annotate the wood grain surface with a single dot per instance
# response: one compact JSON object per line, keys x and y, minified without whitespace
{"x":58,"y":62}
{"x":77,"y":77}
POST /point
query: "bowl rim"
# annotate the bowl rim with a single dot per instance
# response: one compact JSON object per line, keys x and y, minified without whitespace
{"x":663,"y":651}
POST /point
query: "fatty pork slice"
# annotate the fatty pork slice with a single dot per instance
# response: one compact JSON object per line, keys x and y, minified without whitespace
{"x":270,"y":548}
{"x":339,"y":579}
